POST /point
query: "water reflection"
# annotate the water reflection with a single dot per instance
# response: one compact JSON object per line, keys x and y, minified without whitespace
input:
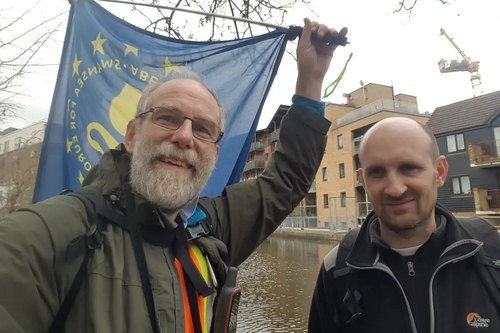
{"x":278,"y":281}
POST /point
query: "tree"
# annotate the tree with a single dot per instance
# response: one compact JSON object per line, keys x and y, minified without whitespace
{"x":18,"y":169}
{"x":23,"y":35}
{"x":408,"y":5}
{"x":269,"y":11}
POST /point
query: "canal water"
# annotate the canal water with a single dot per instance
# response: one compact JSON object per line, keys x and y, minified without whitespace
{"x":278,"y":281}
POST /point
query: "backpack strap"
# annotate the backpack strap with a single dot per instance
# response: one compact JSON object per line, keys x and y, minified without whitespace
{"x":88,"y":242}
{"x":336,"y":260}
{"x":488,"y":261}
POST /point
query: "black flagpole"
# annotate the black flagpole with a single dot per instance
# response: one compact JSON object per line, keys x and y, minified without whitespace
{"x":292,"y":32}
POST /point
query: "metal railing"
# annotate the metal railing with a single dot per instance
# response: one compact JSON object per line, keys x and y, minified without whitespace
{"x":484,"y":153}
{"x":302,"y":217}
{"x":257,"y":146}
{"x":376,"y":107}
{"x":488,"y":200}
{"x":364,"y":208}
{"x":254,"y":165}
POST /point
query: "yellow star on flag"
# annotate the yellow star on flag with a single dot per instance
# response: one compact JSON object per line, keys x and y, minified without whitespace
{"x":80,"y":177}
{"x":130,"y":49}
{"x":98,"y":42}
{"x":76,"y":64}
{"x":170,"y":67}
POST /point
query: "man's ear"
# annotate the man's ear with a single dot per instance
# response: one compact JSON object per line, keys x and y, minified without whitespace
{"x":361,"y":178}
{"x":130,"y":136}
{"x":442,"y":171}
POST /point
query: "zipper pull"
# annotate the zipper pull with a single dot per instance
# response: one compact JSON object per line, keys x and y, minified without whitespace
{"x":411,"y":270}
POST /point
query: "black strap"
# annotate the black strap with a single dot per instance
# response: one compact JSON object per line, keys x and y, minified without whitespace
{"x":181,"y":252}
{"x":193,"y":304}
{"x":140,"y":257}
{"x":57,"y":325}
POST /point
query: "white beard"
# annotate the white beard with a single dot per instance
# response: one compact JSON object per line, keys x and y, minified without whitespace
{"x":168,"y":189}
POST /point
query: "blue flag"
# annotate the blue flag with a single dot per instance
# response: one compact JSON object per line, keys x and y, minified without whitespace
{"x":107,"y":62}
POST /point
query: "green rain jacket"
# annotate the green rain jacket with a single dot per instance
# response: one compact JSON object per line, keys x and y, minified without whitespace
{"x":35,"y":275}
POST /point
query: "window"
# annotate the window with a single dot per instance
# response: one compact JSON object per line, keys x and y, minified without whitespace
{"x":455,"y":143}
{"x":343,"y":199}
{"x":6,"y":146}
{"x":16,"y":160}
{"x":325,"y":174}
{"x":17,"y":142}
{"x":340,"y":141}
{"x":32,"y":153}
{"x":325,"y":200}
{"x":461,"y":185}
{"x":1,"y":148}
{"x":341,"y":170}
{"x":266,"y":156}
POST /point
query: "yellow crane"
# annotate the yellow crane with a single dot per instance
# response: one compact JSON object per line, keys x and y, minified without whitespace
{"x":466,"y":65}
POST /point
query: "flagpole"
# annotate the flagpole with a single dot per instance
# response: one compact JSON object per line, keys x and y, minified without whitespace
{"x":293,"y":31}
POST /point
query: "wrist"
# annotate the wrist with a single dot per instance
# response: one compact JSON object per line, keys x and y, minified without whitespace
{"x":309,"y":87}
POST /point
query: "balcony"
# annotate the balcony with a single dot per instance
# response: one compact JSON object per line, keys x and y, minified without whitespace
{"x":487,"y":201}
{"x":358,"y":180}
{"x":250,"y":165}
{"x":376,"y":107}
{"x":364,"y":208}
{"x":357,"y":143}
{"x":313,"y":187}
{"x":275,"y":135}
{"x":257,"y":146}
{"x":484,"y":154}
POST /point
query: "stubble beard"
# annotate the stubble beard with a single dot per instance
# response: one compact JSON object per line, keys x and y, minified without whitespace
{"x":408,"y":230}
{"x":170,"y":190}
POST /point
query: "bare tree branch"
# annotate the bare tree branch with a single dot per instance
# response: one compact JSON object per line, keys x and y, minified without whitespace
{"x":18,"y":54}
{"x":409,"y":8}
{"x":272,"y":11}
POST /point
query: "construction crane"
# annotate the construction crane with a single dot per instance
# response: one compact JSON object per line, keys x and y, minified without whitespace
{"x":467,"y":65}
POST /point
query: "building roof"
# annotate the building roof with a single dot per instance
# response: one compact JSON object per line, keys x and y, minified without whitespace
{"x":465,"y":114}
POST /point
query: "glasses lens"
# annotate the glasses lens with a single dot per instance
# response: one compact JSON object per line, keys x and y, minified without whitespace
{"x":167,"y":118}
{"x":205,"y":130}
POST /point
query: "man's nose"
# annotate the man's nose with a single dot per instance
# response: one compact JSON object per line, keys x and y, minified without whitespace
{"x":183,"y":136}
{"x":395,"y":185}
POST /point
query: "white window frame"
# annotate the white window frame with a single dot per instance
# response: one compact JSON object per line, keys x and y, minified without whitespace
{"x":340,"y":141}
{"x":341,"y":167}
{"x":461,"y":185}
{"x":455,"y":142}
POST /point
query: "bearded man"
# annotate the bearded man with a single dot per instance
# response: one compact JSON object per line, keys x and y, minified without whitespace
{"x":123,"y":254}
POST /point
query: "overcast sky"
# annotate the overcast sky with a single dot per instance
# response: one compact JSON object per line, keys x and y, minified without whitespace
{"x":388,"y":48}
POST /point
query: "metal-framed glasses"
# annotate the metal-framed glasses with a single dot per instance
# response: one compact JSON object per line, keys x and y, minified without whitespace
{"x":204,"y":130}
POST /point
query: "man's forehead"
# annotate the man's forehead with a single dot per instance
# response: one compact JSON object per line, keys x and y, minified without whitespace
{"x":386,"y":148}
{"x":177,"y":91}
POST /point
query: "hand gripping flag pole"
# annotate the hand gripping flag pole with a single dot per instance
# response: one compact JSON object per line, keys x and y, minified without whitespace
{"x":292,"y":31}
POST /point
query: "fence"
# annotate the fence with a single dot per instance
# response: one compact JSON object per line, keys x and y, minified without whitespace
{"x":302,"y":217}
{"x":342,"y":214}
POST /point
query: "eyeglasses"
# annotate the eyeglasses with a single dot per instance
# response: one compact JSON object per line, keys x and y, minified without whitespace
{"x":173,"y":120}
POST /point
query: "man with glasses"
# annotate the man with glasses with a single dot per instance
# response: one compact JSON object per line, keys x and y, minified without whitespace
{"x":137,"y":250}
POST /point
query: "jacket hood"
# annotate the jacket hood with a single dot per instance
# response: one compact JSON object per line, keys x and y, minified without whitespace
{"x":111,"y":172}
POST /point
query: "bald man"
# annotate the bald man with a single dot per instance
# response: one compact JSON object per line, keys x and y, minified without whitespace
{"x":412,"y":266}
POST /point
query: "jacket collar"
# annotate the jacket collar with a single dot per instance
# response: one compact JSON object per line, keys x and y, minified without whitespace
{"x":365,"y":251}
